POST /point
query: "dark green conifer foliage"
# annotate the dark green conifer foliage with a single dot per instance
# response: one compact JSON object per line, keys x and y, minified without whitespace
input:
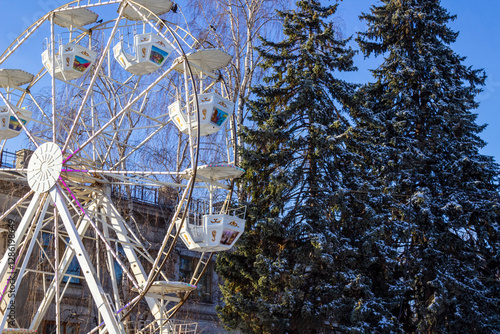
{"x":281,"y":277}
{"x":444,"y":207}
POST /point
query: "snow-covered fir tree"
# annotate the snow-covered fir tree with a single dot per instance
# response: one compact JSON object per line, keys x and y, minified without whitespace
{"x":282,"y":276}
{"x":422,"y":143}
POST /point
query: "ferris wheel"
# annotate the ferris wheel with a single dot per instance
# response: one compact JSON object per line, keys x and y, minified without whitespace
{"x":124,"y":99}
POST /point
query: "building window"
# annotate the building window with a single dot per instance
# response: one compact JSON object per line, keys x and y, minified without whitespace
{"x":203,"y":293}
{"x":49,"y":327}
{"x":48,"y":251}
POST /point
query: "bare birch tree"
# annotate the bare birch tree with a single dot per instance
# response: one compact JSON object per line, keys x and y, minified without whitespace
{"x":235,"y":26}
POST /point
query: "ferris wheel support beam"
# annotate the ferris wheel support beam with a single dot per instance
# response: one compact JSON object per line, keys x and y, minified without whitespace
{"x":65,"y":262}
{"x":111,"y":267}
{"x":20,"y":233}
{"x":168,"y":242}
{"x":90,"y":117}
{"x":98,"y":294}
{"x":10,"y":297}
{"x":137,"y":269}
{"x":19,"y":202}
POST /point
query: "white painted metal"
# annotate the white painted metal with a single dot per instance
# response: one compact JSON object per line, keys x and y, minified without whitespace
{"x":214,"y":112}
{"x":158,"y":7}
{"x":9,"y":298}
{"x":44,"y":167}
{"x":74,"y":17}
{"x":216,"y":233}
{"x":20,"y":233}
{"x":137,"y":269}
{"x":71,"y":62}
{"x":102,"y":303}
{"x":92,"y":81}
{"x":66,"y":259}
{"x":203,"y":62}
{"x":88,"y":153}
{"x":14,"y":78}
{"x":9,"y":125}
{"x":217,"y":172}
{"x":15,"y":114}
{"x":56,"y":272}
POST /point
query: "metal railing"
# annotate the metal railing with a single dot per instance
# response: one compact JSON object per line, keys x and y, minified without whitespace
{"x":7,"y":159}
{"x":147,"y":195}
{"x":173,"y":326}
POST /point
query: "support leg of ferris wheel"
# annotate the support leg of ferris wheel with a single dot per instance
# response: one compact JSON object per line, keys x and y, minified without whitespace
{"x":14,"y":279}
{"x":89,"y":272}
{"x":31,"y":212}
{"x":167,"y":245}
{"x":64,"y":264}
{"x":111,"y":266}
{"x":118,"y":225}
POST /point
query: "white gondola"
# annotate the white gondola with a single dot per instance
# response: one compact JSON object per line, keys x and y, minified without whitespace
{"x":212,"y":232}
{"x":10,"y":125}
{"x":151,"y":52}
{"x":216,"y":232}
{"x":72,"y":60}
{"x":12,"y":118}
{"x":214,"y":113}
{"x":214,"y":109}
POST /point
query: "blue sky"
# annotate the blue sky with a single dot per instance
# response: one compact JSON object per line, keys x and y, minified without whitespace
{"x":477,"y":22}
{"x":479,"y":28}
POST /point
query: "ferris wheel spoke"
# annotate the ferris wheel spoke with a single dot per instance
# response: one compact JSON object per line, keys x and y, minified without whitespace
{"x":39,"y":108}
{"x":136,"y":148}
{"x":116,"y":130}
{"x":13,"y":174}
{"x":69,"y":253}
{"x":115,"y":84}
{"x":94,"y":78}
{"x":119,"y":114}
{"x":142,"y":177}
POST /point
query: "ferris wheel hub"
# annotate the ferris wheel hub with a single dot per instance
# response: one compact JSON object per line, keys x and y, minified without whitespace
{"x":44,"y":167}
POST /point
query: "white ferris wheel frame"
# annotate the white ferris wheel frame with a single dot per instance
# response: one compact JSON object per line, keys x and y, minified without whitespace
{"x":64,"y":200}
